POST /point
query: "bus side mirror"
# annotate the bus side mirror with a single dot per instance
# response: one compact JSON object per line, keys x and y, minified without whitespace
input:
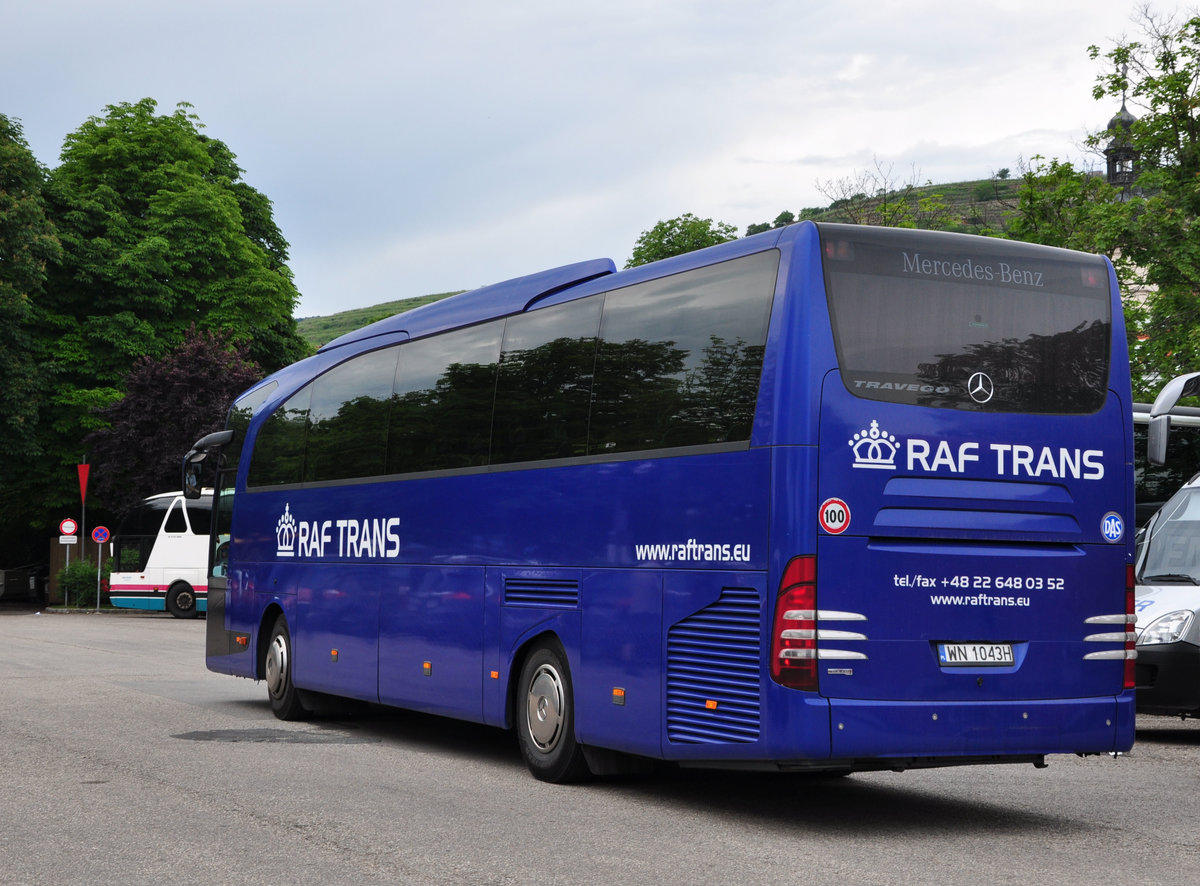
{"x":1160,"y":414}
{"x":1156,"y":439}
{"x":193,"y":462}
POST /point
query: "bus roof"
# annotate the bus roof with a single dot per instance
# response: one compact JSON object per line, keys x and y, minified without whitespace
{"x":522,"y":293}
{"x":497,"y":299}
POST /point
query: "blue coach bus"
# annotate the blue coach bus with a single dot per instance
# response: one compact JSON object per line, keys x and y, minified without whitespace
{"x":826,"y":498}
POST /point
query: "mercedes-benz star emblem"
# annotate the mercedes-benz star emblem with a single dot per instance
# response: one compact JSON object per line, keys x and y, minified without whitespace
{"x":980,"y":387}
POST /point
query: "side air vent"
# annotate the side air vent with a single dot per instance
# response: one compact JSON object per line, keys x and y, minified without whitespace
{"x":714,"y":668}
{"x":541,"y":593}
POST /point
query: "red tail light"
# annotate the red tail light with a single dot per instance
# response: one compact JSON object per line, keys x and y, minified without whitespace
{"x":1130,"y":628}
{"x":794,"y":632}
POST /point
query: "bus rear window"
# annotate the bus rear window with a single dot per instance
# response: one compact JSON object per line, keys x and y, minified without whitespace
{"x":991,"y":326}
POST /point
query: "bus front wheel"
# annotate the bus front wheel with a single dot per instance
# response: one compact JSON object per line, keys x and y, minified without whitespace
{"x":181,"y":600}
{"x":546,"y":717}
{"x":277,"y":670}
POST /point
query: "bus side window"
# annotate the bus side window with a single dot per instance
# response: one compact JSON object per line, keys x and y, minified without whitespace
{"x":176,"y":522}
{"x":279,"y":453}
{"x":679,"y":358}
{"x":544,"y":387}
{"x":441,"y":416}
{"x":348,"y":418}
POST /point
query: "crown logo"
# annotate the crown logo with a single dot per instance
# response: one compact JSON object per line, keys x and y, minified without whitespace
{"x":285,"y":533}
{"x":874,"y":448}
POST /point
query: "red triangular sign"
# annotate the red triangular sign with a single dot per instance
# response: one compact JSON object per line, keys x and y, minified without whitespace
{"x":83,"y":477}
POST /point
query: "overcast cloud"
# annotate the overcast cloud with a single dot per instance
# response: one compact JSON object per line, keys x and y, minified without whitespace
{"x":412,"y":148}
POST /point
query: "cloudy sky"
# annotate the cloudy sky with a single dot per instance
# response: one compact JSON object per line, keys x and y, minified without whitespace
{"x":417,"y":147}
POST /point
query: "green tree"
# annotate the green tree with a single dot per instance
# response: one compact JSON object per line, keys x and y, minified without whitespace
{"x":27,"y":243}
{"x":159,"y":235}
{"x":677,"y":236}
{"x":1159,"y":74}
{"x":1059,"y":205}
{"x":782,"y":220}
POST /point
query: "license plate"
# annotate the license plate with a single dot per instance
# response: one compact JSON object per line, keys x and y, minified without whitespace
{"x":974,"y":655}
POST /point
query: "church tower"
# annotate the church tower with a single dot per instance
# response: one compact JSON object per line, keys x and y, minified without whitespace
{"x":1122,"y":157}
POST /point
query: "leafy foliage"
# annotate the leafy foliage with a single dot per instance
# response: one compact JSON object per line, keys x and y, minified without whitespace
{"x":144,"y":231}
{"x":677,"y":236}
{"x":27,"y":243}
{"x":78,"y":582}
{"x":169,"y":403}
{"x":1160,"y":75}
{"x":160,"y":234}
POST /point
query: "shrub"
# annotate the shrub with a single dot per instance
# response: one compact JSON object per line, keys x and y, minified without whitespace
{"x":77,"y":581}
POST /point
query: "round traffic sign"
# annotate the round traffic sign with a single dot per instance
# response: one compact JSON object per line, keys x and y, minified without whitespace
{"x":100,"y":535}
{"x":68,"y":527}
{"x":834,"y":516}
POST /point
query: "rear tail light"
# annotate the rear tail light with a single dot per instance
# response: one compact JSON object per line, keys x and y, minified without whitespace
{"x":794,"y":632}
{"x":1127,"y":638}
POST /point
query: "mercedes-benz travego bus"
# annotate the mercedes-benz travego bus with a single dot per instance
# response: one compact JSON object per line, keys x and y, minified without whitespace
{"x":827,"y":498}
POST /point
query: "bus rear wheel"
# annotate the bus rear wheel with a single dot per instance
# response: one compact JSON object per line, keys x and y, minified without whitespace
{"x":546,"y":717}
{"x":277,"y":671}
{"x":181,"y":600}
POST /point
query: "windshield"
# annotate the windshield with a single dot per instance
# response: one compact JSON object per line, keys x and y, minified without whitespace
{"x":969,"y":322}
{"x":1170,"y":547}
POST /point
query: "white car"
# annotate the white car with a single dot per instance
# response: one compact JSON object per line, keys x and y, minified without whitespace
{"x":1168,"y":607}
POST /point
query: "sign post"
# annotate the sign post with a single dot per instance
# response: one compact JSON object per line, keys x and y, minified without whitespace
{"x":66,"y":536}
{"x":99,"y":536}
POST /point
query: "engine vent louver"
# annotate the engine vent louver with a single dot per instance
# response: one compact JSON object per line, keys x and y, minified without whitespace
{"x":714,"y":670}
{"x":541,"y":593}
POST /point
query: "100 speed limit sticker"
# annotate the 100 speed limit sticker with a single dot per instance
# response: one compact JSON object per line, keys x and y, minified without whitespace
{"x":834,"y":516}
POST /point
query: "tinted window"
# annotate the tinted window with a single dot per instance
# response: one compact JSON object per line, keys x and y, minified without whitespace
{"x":679,"y":359}
{"x":199,"y":513}
{"x":544,"y":386}
{"x":279,"y":450}
{"x":146,"y":518}
{"x":130,"y":553}
{"x":1154,"y":484}
{"x":239,"y":421}
{"x":135,"y":536}
{"x":916,"y":319}
{"x":176,"y":521}
{"x":442,"y":406}
{"x":348,"y":418}
{"x":673,"y":362}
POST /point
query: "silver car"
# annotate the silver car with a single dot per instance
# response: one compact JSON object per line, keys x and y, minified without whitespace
{"x":1168,"y":607}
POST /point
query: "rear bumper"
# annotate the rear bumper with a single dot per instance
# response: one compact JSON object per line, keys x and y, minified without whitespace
{"x":804,"y":731}
{"x":871,"y":729}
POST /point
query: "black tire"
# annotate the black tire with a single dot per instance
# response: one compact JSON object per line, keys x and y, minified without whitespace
{"x":181,"y":600}
{"x":277,"y":671}
{"x":546,"y":717}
